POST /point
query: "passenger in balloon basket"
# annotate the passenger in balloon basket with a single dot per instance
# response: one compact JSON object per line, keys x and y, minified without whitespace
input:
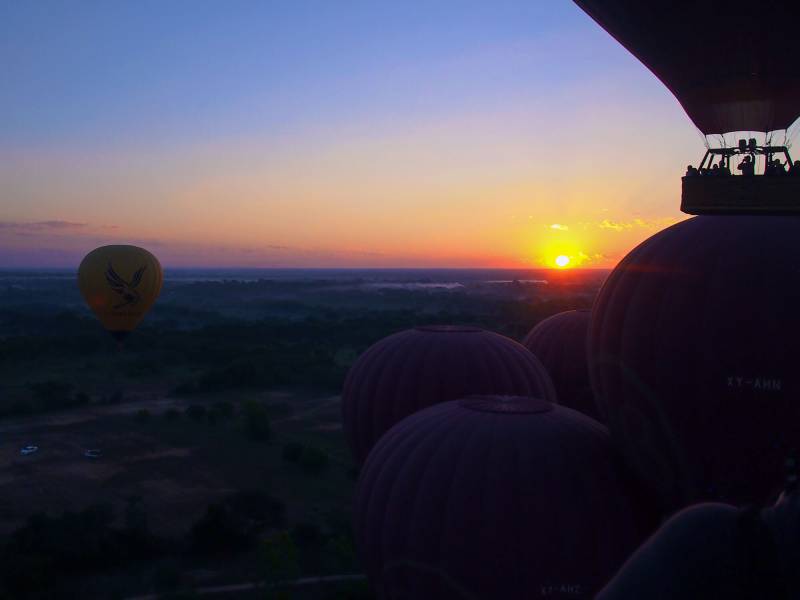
{"x":747,"y":166}
{"x":715,"y":550}
{"x":777,"y":168}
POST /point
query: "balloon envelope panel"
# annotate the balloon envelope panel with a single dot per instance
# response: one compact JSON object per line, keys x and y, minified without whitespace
{"x":413,"y":369}
{"x":559,"y":342}
{"x":733,"y":66}
{"x":693,"y":349}
{"x":120,"y":284}
{"x":496,"y":497}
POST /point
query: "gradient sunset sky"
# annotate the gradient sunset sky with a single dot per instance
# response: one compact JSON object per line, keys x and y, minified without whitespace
{"x":319,"y":134}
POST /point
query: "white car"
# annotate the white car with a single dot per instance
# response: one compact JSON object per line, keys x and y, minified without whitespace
{"x":93,"y":453}
{"x":29,"y":450}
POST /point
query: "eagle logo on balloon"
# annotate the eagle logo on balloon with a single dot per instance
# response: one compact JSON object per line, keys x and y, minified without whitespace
{"x":124,"y":288}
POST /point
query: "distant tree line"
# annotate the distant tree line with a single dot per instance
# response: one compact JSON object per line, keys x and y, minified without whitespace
{"x":220,"y":353}
{"x":51,"y":395}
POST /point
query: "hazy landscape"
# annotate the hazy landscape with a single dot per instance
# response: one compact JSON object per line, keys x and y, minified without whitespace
{"x":222,"y":459}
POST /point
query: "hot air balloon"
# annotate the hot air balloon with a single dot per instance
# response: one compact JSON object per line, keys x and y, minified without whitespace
{"x":120,"y":284}
{"x":413,"y":369}
{"x":694,"y":334}
{"x":495,"y":497}
{"x":560,"y":343}
{"x":693,"y":352}
{"x":733,"y":69}
{"x":716,"y":550}
{"x":695,"y":555}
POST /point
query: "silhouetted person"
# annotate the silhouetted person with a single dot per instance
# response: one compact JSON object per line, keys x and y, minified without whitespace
{"x":747,"y":166}
{"x":717,"y":551}
{"x":715,"y":170}
{"x":778,"y":168}
{"x":723,"y":168}
{"x":795,"y":170}
{"x":692,"y":172}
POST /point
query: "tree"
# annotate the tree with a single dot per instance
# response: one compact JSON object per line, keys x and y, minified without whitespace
{"x":167,"y":576}
{"x":256,"y":421}
{"x":279,"y":558}
{"x":306,"y":534}
{"x":221,"y":411}
{"x":136,"y":516}
{"x":311,"y":459}
{"x":196,"y":412}
{"x":292,"y":451}
{"x":342,"y":550}
{"x":220,"y":531}
{"x":314,"y":460}
{"x":53,"y":395}
{"x":261,"y":508}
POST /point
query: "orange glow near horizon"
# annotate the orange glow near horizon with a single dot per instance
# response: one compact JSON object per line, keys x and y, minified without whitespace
{"x":463,"y":191}
{"x":489,"y":148}
{"x":272,"y":216}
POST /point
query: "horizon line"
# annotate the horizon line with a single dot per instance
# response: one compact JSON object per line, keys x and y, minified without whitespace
{"x":251,"y":268}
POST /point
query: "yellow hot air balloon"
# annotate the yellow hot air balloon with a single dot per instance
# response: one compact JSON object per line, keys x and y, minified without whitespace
{"x":120,"y":284}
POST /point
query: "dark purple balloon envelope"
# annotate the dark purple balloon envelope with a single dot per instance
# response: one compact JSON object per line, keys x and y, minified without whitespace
{"x":413,"y":369}
{"x":694,"y":348}
{"x":559,"y":342}
{"x":495,"y":497}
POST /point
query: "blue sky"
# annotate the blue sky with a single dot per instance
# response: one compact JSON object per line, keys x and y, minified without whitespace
{"x":335,"y":129}
{"x":94,"y":68}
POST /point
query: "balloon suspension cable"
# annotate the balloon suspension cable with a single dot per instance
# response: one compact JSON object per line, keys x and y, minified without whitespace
{"x":791,"y":133}
{"x":704,"y":137}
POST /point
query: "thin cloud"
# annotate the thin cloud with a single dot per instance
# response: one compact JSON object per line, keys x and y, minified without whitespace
{"x":651,"y":224}
{"x":608,"y":224}
{"x":584,"y":259}
{"x":559,"y":227}
{"x":40,"y":225}
{"x":60,"y":224}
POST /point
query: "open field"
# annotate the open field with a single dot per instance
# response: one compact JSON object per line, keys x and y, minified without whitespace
{"x":177,"y":466}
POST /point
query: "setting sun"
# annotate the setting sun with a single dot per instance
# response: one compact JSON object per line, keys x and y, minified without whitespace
{"x":562,"y":261}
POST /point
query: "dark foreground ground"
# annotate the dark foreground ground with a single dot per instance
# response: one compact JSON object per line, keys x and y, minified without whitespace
{"x":223,"y":461}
